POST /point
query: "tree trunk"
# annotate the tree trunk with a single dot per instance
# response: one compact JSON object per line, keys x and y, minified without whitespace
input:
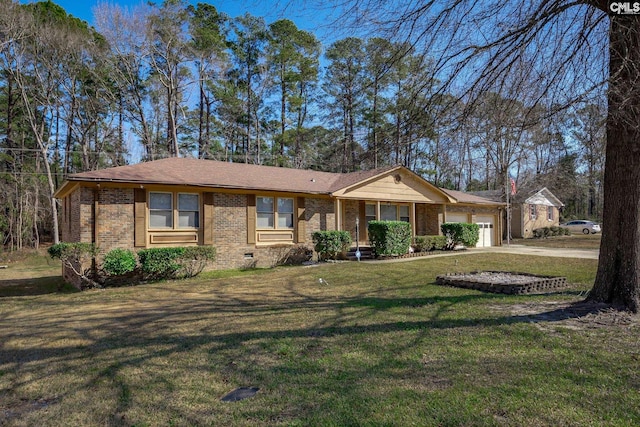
{"x":201,"y":105}
{"x":283,"y":116}
{"x":618,"y":277}
{"x":36,"y":208}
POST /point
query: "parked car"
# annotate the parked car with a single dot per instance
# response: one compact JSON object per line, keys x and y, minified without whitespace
{"x":582,"y":226}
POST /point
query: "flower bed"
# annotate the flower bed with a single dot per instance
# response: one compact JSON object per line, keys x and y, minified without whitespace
{"x":503,"y":282}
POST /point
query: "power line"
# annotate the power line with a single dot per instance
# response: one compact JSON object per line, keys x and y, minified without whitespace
{"x":37,"y":150}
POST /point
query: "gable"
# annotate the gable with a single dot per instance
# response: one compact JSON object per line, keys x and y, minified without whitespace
{"x":543,"y":198}
{"x":397,"y":185}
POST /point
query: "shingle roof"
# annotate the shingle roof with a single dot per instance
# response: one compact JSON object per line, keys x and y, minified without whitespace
{"x":210,"y":173}
{"x":470,"y":198}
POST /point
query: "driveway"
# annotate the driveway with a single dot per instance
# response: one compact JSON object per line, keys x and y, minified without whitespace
{"x":511,"y":249}
{"x":532,"y":250}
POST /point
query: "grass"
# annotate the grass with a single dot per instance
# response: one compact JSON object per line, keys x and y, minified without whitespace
{"x":574,"y":241}
{"x":369,"y":344}
{"x":30,"y":273}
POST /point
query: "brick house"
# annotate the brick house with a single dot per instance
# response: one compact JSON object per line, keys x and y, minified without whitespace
{"x":539,"y":209}
{"x":247,"y":211}
{"x":530,"y":209}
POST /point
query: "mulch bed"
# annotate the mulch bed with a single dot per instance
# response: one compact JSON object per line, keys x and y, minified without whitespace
{"x":503,"y":282}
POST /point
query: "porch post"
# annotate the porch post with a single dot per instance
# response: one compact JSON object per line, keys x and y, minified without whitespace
{"x":338,"y":215}
{"x":412,"y":219}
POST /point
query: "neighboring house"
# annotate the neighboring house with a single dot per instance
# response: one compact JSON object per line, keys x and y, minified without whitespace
{"x":540,"y":209}
{"x":529,"y":210}
{"x":248,"y":211}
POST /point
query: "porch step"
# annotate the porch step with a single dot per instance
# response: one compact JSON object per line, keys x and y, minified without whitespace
{"x":365,"y":253}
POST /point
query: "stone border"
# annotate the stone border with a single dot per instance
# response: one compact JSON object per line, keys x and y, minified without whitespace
{"x":503,"y":282}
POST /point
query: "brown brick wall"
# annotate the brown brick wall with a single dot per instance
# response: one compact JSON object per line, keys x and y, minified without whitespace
{"x":230,"y":235}
{"x":433,"y":216}
{"x":230,"y":231}
{"x":77,"y":216}
{"x":351,"y":213}
{"x":540,"y":222}
{"x":115,"y":226}
{"x":320,"y":215}
{"x":77,"y":223}
{"x":115,"y":219}
{"x":421,"y":219}
{"x":86,"y":215}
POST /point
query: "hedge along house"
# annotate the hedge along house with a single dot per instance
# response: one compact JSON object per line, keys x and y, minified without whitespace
{"x":250,"y":212}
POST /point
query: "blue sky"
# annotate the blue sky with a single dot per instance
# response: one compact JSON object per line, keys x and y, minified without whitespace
{"x":271,"y":10}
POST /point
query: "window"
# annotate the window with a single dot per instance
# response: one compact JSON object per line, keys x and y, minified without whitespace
{"x":550,"y":213}
{"x":188,"y":211}
{"x":388,"y":212}
{"x":369,"y":213}
{"x":274,"y":212}
{"x":264,"y":209}
{"x":161,"y":210}
{"x":532,"y":212}
{"x":403,"y":213}
{"x":285,"y":213}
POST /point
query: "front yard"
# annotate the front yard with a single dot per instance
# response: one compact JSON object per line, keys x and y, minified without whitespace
{"x":574,"y":241}
{"x":335,"y":344}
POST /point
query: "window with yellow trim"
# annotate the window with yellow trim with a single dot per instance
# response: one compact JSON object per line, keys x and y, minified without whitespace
{"x":169,"y":209}
{"x":274,"y":213}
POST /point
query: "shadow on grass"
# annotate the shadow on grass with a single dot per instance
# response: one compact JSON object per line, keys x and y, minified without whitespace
{"x":148,"y":335}
{"x":34,"y":286}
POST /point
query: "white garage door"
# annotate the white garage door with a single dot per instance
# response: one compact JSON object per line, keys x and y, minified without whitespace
{"x":486,"y":230}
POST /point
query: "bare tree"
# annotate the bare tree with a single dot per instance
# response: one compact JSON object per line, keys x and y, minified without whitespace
{"x":575,"y":48}
{"x":590,"y":133}
{"x":32,"y":61}
{"x":168,"y":59}
{"x":123,"y":29}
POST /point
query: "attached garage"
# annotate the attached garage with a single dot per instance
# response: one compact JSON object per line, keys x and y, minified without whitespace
{"x":486,"y":225}
{"x":486,"y":231}
{"x":456,"y":217}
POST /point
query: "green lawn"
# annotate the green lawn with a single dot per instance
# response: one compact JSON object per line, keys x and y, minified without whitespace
{"x":369,"y":344}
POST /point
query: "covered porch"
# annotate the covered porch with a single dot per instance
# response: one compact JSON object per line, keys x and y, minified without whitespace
{"x":401,"y":195}
{"x":425,"y":218}
{"x":354,"y":216}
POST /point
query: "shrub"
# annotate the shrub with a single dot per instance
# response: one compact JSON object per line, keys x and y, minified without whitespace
{"x":430,"y":243}
{"x":329,"y":244}
{"x":544,"y":232}
{"x":289,"y":255}
{"x":390,"y":237}
{"x":194,"y":259}
{"x":460,"y":233}
{"x":119,"y":262}
{"x":74,"y":256}
{"x":180,"y":262}
{"x":160,"y":263}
